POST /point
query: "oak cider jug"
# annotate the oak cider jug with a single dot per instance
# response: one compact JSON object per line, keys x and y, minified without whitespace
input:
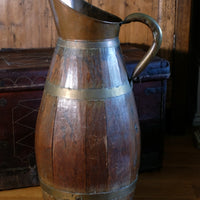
{"x":87,"y":134}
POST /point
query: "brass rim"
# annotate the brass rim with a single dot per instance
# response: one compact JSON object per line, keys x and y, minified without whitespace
{"x":83,"y":44}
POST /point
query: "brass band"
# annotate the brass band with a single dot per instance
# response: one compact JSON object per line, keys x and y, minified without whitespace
{"x":83,"y":44}
{"x":111,"y":195}
{"x":86,"y":94}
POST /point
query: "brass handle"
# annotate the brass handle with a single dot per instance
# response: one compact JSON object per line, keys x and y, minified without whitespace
{"x":157,"y":39}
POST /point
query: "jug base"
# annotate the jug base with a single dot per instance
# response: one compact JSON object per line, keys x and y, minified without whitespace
{"x":47,"y":196}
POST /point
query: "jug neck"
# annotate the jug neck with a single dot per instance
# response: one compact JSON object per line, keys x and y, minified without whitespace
{"x":78,"y":20}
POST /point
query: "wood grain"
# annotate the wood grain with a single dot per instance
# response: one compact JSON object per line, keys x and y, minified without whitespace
{"x":179,"y":179}
{"x":90,"y":146}
{"x":162,"y":11}
{"x":166,"y":19}
{"x":34,"y":193}
{"x":29,"y":24}
{"x":25,"y":24}
{"x":181,"y":63}
{"x":129,"y":33}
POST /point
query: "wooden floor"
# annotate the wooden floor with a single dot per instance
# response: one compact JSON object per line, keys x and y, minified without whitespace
{"x":179,"y":179}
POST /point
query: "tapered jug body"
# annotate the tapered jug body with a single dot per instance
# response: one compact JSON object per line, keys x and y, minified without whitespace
{"x":87,"y":133}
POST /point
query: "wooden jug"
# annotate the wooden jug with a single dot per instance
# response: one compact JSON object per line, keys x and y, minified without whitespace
{"x":87,"y":132}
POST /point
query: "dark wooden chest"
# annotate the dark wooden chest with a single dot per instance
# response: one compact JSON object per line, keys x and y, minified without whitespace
{"x":150,"y":93}
{"x":22,"y":77}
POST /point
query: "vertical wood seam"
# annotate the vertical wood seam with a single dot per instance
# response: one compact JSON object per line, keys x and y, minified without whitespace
{"x":52,"y":143}
{"x":84,"y":142}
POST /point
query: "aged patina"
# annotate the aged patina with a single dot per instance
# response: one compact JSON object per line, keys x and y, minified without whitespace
{"x":87,"y":133}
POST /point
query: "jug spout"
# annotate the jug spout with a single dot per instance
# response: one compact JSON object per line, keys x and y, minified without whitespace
{"x":79,"y":20}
